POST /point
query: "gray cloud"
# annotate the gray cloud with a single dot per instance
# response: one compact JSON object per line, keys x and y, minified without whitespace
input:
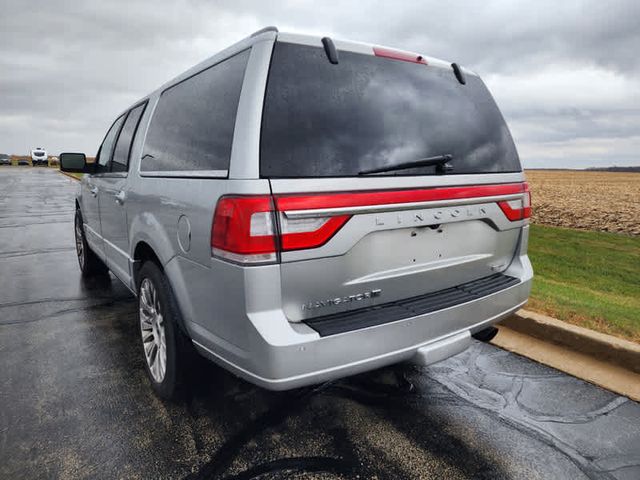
{"x":565,"y":73}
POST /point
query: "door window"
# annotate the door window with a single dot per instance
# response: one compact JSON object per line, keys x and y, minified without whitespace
{"x":106,"y":150}
{"x":122,"y":152}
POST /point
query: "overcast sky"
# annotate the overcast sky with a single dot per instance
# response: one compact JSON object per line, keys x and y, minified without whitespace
{"x":566,"y":74}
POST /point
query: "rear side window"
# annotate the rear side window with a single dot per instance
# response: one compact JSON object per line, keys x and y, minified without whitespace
{"x":192,"y":126}
{"x":120,"y":162}
{"x":106,"y":149}
{"x":326,"y":120}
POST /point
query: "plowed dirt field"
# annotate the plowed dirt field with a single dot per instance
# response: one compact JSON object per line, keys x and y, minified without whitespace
{"x":602,"y":201}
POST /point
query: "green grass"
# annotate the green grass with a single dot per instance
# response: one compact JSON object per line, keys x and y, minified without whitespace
{"x":591,"y":279}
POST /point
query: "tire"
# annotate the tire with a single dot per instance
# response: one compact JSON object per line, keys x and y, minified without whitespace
{"x":159,"y":319}
{"x":90,"y":264}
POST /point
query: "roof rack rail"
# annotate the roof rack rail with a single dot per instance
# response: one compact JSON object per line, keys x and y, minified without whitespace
{"x":270,"y":28}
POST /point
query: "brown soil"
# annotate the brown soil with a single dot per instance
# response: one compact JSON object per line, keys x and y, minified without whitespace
{"x":603,"y":201}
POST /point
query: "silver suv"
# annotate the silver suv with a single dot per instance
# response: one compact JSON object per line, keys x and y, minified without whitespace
{"x":298,"y":209}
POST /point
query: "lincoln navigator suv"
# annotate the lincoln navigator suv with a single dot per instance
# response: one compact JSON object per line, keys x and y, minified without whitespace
{"x":299,"y":209}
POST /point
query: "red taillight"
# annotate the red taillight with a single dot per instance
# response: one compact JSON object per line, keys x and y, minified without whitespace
{"x":243,"y":230}
{"x":396,"y":55}
{"x":519,"y":209}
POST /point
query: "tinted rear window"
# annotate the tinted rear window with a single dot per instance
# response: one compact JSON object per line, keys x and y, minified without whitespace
{"x":325,"y":120}
{"x":192,"y":126}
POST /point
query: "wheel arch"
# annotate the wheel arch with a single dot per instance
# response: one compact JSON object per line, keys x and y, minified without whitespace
{"x":143,"y":252}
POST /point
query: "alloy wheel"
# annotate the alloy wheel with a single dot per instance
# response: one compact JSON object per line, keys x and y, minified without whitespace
{"x":153,"y":331}
{"x":79,"y":243}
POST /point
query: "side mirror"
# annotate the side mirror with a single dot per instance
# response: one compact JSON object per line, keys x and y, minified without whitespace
{"x":73,"y":163}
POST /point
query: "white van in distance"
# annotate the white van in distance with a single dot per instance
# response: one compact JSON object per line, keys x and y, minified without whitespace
{"x":39,"y":156}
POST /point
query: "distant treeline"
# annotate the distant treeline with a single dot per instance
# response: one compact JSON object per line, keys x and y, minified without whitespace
{"x":592,"y":169}
{"x":614,"y":169}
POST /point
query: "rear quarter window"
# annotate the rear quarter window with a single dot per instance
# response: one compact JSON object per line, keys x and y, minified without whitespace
{"x":193,"y":123}
{"x":326,"y":120}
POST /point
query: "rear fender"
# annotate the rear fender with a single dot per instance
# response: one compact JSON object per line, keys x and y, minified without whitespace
{"x":146,"y":228}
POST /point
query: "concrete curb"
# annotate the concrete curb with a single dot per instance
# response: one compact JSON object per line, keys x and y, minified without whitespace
{"x":603,"y":347}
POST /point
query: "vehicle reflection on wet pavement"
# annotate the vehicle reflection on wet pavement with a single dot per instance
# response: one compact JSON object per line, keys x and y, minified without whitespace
{"x":76,"y":402}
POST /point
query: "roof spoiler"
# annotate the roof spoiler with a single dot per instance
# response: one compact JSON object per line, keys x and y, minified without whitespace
{"x":270,"y":28}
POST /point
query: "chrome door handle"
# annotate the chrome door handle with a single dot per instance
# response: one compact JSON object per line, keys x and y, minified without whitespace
{"x":120,"y":197}
{"x":94,"y":191}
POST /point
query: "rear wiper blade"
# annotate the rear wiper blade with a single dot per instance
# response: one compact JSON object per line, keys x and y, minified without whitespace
{"x":440,"y":160}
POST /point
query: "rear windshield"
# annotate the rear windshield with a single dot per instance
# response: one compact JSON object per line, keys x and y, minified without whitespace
{"x":326,"y":120}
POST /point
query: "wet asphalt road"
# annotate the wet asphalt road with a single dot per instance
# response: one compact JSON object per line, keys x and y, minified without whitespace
{"x":75,"y":402}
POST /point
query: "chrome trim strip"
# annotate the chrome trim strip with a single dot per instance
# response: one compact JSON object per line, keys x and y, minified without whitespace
{"x":186,"y":173}
{"x":117,"y":249}
{"x":93,"y":232}
{"x":330,"y":212}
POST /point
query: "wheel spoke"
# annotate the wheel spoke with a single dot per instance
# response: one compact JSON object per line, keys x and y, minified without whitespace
{"x":147,"y":336}
{"x":146,"y":315}
{"x":144,"y":291}
{"x":79,"y":242}
{"x":162,"y":360}
{"x":154,"y":299}
{"x":155,"y":363}
{"x":145,"y":320}
{"x":148,"y":347}
{"x":153,"y":356}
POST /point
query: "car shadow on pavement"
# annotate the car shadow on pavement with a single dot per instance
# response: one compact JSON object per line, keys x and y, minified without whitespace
{"x":383,"y":400}
{"x":360,"y":427}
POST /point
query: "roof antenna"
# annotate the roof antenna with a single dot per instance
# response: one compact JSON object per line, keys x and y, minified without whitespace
{"x":330,"y":50}
{"x":459,"y":74}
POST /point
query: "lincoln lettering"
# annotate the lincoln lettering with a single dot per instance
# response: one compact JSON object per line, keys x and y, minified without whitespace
{"x":428,"y":216}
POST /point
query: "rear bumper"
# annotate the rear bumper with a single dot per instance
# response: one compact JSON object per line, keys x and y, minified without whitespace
{"x":303,"y":357}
